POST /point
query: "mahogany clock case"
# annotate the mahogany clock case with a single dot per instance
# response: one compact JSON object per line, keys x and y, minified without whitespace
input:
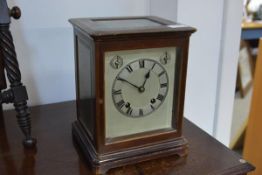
{"x":91,"y":43}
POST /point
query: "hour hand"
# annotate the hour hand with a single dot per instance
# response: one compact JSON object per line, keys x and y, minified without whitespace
{"x":124,"y":80}
{"x":146,"y":77}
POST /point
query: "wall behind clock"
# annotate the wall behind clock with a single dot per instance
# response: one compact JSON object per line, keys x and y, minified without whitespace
{"x":212,"y":59}
{"x":44,"y":42}
{"x":203,"y":56}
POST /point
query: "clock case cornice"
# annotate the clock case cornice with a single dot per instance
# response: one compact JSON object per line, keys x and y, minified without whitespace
{"x":166,"y":28}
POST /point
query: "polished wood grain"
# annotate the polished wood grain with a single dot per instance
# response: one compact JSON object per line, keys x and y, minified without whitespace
{"x":56,"y":153}
{"x":165,"y":27}
{"x":253,"y":141}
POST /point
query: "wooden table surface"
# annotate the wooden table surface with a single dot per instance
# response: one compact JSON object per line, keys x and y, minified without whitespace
{"x":56,"y":153}
{"x":251,"y":30}
{"x":251,"y":25}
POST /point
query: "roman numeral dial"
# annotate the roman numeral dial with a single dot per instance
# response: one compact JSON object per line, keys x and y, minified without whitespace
{"x":140,"y":87}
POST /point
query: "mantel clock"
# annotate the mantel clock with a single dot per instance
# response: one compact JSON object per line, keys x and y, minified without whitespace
{"x":130,"y":85}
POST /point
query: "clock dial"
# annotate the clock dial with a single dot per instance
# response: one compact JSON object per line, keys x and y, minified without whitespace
{"x":139,"y":93}
{"x":140,"y":88}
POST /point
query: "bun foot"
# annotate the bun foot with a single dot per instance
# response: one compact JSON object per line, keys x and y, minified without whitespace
{"x":29,"y":143}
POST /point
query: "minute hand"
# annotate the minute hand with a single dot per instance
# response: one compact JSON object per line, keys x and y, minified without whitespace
{"x":121,"y":79}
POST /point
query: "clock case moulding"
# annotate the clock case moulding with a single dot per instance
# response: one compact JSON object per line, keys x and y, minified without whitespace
{"x":89,"y":132}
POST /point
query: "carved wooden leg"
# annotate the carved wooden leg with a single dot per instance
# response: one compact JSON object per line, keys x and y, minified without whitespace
{"x":2,"y":85}
{"x":17,"y":93}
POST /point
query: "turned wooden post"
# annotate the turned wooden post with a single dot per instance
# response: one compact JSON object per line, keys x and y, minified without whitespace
{"x":17,"y":93}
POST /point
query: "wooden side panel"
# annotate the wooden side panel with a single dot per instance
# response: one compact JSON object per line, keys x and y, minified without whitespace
{"x":253,"y":141}
{"x":85,"y":82}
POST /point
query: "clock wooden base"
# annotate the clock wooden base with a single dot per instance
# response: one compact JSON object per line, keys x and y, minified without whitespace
{"x":101,"y":163}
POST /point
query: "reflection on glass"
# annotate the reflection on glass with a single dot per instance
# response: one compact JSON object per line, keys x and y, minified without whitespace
{"x":125,"y":24}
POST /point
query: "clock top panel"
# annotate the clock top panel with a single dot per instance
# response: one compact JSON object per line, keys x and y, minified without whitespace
{"x":99,"y":27}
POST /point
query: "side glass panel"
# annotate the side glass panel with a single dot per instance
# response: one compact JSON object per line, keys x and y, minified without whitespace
{"x":86,"y":85}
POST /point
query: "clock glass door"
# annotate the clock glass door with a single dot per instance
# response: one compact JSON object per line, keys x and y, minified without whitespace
{"x":139,"y":91}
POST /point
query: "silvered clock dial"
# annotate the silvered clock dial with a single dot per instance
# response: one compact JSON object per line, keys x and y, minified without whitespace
{"x":139,"y":90}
